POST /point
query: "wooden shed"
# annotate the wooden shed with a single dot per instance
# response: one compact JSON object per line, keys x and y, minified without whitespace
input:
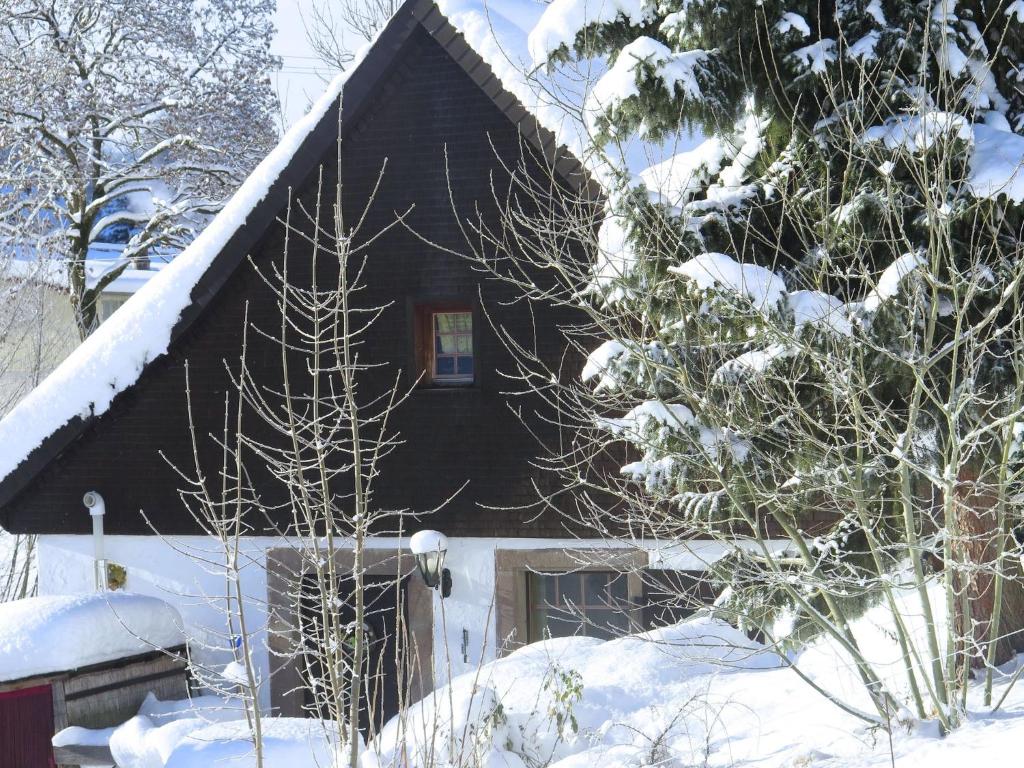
{"x":33,"y":709}
{"x":88,"y":661}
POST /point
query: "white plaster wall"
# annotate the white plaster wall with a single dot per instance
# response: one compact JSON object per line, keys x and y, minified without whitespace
{"x":183,"y":571}
{"x":179,"y":570}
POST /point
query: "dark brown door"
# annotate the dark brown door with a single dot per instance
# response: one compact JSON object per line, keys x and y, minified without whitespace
{"x":26,"y":728}
{"x":385,"y":643}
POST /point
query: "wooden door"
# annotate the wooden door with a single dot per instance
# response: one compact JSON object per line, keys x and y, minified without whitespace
{"x":384,"y":665}
{"x":26,"y":728}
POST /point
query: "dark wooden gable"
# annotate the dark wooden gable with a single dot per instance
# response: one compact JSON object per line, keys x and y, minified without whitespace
{"x":423,"y":102}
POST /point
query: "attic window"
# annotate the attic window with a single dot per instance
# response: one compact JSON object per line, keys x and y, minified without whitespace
{"x":445,"y":345}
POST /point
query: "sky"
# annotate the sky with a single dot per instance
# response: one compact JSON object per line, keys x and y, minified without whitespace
{"x":303,"y":76}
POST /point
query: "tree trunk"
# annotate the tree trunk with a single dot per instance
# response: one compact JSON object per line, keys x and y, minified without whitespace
{"x":975,"y":551}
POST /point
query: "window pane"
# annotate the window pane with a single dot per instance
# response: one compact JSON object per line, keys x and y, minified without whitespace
{"x":569,"y":589}
{"x":537,"y":598}
{"x":464,"y":322}
{"x":465,"y":344}
{"x":563,"y":624}
{"x":446,"y":344}
{"x":606,"y":624}
{"x":618,"y":589}
{"x":538,"y":589}
{"x":445,"y":365}
{"x":465,"y":366}
{"x":444,"y":322}
{"x":595,"y":586}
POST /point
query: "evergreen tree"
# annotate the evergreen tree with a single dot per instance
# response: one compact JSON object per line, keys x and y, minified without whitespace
{"x":815,"y":315}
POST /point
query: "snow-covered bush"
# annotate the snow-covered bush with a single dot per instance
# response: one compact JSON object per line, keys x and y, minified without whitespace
{"x":563,"y":701}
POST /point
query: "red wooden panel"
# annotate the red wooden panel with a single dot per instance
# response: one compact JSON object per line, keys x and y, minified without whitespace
{"x":26,"y":727}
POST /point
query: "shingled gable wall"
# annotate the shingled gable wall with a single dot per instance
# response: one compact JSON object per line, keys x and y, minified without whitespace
{"x":427,"y":103}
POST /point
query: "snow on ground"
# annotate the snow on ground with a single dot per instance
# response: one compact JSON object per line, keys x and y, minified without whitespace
{"x":39,"y":635}
{"x":697,"y":693}
{"x":207,"y":731}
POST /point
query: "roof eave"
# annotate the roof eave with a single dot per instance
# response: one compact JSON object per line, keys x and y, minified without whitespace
{"x":355,"y":98}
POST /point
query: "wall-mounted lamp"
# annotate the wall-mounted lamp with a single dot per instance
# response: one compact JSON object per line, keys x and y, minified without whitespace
{"x":429,"y":549}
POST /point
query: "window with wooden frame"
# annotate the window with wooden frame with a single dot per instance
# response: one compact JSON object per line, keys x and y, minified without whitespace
{"x":444,"y":345}
{"x":589,"y":603}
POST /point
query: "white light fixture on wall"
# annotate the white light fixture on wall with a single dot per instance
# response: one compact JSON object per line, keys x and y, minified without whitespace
{"x":429,"y":548}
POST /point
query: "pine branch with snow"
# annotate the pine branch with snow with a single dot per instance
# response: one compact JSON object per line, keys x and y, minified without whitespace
{"x":807,"y":325}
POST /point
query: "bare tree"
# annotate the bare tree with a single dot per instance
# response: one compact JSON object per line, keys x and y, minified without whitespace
{"x":301,"y":450}
{"x":331,"y":21}
{"x":128,"y":120}
{"x":37,"y":331}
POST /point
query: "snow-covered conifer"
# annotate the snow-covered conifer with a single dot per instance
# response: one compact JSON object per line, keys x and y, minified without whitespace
{"x":812,"y":318}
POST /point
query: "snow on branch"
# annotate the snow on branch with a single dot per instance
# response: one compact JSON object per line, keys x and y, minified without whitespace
{"x":762,"y":287}
{"x":815,"y":57}
{"x":819,"y":309}
{"x":601,"y":364}
{"x":891,"y":279}
{"x":643,"y":60}
{"x":563,"y":20}
{"x":995,"y":153}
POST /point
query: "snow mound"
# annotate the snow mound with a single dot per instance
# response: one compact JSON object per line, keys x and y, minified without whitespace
{"x":40,"y":635}
{"x":695,"y":693}
{"x":206,"y":731}
{"x":288,"y":742}
{"x":508,"y":712}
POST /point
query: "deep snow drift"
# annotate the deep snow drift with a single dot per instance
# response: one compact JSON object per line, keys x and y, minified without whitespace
{"x":697,"y":693}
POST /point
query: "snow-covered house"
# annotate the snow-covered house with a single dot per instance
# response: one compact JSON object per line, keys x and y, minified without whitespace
{"x":37,"y":325}
{"x":439,"y":96}
{"x":105,"y":257}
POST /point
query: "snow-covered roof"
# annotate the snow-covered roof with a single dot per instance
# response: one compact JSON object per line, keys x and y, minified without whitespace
{"x":44,"y":635}
{"x":115,"y":355}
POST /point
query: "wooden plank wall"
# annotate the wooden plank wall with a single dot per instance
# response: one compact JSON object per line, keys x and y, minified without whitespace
{"x":108,"y":696}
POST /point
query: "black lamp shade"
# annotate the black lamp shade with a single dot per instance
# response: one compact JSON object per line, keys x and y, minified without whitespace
{"x":431,"y":565}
